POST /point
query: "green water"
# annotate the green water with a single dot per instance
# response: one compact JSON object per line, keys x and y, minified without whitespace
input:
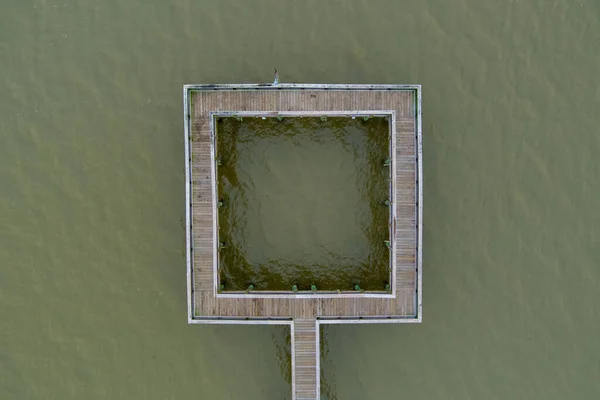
{"x":92,"y":266}
{"x":303,"y":203}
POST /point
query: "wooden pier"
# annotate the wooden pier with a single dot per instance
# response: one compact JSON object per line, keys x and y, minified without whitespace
{"x":303,"y":311}
{"x":305,"y":360}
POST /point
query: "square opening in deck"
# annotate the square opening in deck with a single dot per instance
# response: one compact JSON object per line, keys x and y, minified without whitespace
{"x":303,"y":201}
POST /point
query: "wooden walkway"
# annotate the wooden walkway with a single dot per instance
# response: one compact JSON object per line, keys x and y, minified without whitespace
{"x":305,"y":376}
{"x":306,"y":311}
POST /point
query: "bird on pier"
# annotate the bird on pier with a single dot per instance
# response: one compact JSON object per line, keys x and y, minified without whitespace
{"x":276,"y":81}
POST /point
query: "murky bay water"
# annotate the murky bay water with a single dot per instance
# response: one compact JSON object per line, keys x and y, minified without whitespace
{"x":92,"y":260}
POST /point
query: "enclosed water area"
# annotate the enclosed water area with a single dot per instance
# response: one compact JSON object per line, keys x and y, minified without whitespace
{"x":303,"y":202}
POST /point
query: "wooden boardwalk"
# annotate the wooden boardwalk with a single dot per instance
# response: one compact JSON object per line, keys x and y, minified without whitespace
{"x":307,"y":311}
{"x":305,"y":376}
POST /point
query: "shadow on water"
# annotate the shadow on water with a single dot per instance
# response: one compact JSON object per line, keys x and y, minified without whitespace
{"x":283,"y":344}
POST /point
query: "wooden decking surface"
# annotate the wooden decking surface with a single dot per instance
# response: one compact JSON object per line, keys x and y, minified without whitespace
{"x":306,"y":312}
{"x":305,"y":356}
{"x":206,"y":304}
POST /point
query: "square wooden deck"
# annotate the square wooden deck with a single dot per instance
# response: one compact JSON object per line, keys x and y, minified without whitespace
{"x":207,"y":305}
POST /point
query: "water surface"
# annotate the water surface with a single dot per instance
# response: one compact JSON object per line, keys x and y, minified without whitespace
{"x":92,"y":260}
{"x":303,"y":203}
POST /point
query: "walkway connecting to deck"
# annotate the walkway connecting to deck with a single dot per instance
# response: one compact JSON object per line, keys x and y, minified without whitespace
{"x":303,"y":311}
